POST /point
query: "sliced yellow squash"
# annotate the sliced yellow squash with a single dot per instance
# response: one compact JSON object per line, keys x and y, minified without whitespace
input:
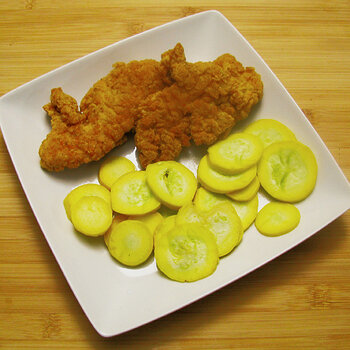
{"x":112,"y":169}
{"x":130,"y":242}
{"x":91,"y":216}
{"x":247,"y":193}
{"x":235,"y":154}
{"x":85,"y":190}
{"x":220,"y":183}
{"x":166,"y":225}
{"x":270,"y":131}
{"x":288,"y":171}
{"x":131,"y":195}
{"x":221,"y":220}
{"x":187,"y":253}
{"x":277,"y":218}
{"x":171,"y":182}
{"x":152,"y":220}
{"x":247,"y":211}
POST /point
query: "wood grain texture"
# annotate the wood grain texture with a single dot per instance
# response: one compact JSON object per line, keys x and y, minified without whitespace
{"x":300,"y":300}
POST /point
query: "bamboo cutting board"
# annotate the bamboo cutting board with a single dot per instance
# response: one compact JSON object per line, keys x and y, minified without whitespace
{"x":300,"y":300}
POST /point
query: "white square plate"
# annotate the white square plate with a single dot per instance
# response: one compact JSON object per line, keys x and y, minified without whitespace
{"x":114,"y":298}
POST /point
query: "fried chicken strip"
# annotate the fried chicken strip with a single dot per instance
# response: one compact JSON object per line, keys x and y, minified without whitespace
{"x":204,"y":103}
{"x":107,"y":112}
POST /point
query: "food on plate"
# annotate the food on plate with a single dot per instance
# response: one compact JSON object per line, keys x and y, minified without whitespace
{"x":221,"y":183}
{"x":247,"y":211}
{"x":107,"y":112}
{"x":131,"y":195}
{"x":205,"y":101}
{"x":288,"y":171}
{"x":117,"y":218}
{"x":226,"y":225}
{"x":151,"y":220}
{"x":205,"y":200}
{"x":189,"y":214}
{"x":112,"y":169}
{"x":230,"y":166}
{"x":221,"y":220}
{"x":277,"y":218}
{"x":187,"y":252}
{"x":247,"y":193}
{"x":91,"y":215}
{"x":165,"y":226}
{"x":172,"y":183}
{"x":130,"y":242}
{"x":167,"y":103}
{"x":235,"y":154}
{"x":270,"y":131}
{"x":161,"y":209}
{"x":90,"y":189}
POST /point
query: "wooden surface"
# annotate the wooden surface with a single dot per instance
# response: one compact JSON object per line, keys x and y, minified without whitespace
{"x":300,"y":300}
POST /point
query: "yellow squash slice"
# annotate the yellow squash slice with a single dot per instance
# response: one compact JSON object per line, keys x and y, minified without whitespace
{"x":171,"y":182}
{"x":221,"y":220}
{"x":85,"y":190}
{"x":152,"y":220}
{"x":277,"y":218}
{"x":116,"y":220}
{"x":247,"y":211}
{"x":91,"y":216}
{"x":288,"y":171}
{"x":130,"y":242}
{"x":166,"y":225}
{"x":270,"y":131}
{"x":205,"y":200}
{"x":131,"y":195}
{"x":112,"y":169}
{"x":247,"y":193}
{"x":235,"y":154}
{"x":217,"y":182}
{"x":189,"y":214}
{"x":187,"y":253}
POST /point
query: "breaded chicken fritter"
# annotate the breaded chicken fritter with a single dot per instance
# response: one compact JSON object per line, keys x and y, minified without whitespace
{"x":106,"y":114}
{"x":203,"y":104}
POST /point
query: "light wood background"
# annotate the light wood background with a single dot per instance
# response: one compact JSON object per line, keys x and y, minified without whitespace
{"x":300,"y":300}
